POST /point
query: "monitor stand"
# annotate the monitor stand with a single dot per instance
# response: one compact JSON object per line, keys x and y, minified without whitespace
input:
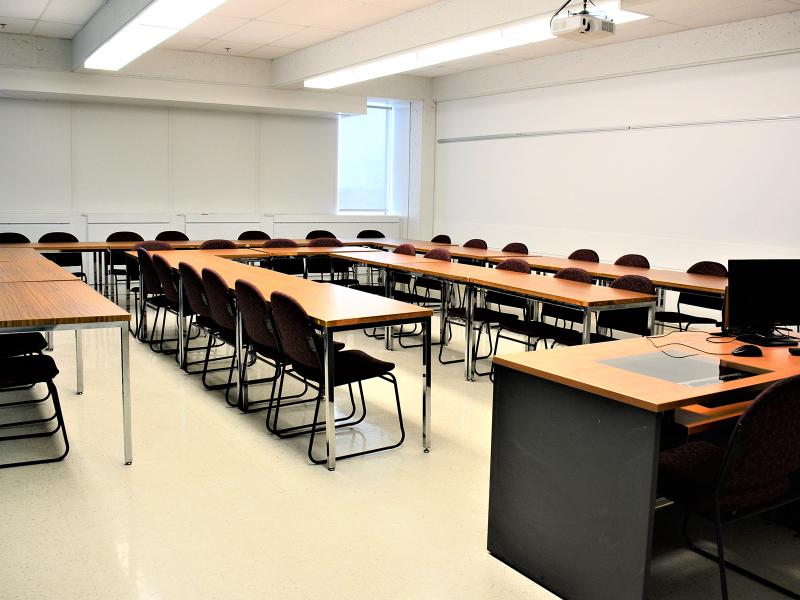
{"x":767,"y":340}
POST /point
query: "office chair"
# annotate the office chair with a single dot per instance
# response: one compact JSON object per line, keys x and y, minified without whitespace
{"x":218,"y":244}
{"x":585,"y":254}
{"x":441,"y":239}
{"x":254,"y":235}
{"x":633,"y":260}
{"x":120,"y":264}
{"x":369,"y":234}
{"x":12,"y":237}
{"x":172,"y":236}
{"x":340,"y":270}
{"x":319,"y":233}
{"x":154,"y":296}
{"x":288,"y":265}
{"x":685,"y":320}
{"x":64,"y":259}
{"x":222,"y":307}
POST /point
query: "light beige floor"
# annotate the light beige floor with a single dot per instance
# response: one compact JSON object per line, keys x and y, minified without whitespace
{"x":214,"y":507}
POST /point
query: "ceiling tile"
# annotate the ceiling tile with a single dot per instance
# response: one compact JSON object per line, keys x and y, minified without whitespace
{"x":56,"y":30}
{"x":247,"y":9}
{"x":545,"y":48}
{"x":183,"y":42}
{"x":212,"y":26}
{"x":219,"y":47}
{"x":270,"y":52}
{"x":733,"y":13}
{"x":308,"y":37}
{"x":401,"y":4}
{"x":14,"y":25}
{"x":432,"y":72}
{"x":260,"y":32}
{"x":71,"y":11}
{"x":21,"y":9}
{"x":342,"y":15}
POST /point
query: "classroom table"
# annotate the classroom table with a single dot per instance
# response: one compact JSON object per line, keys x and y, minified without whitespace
{"x":588,"y":298}
{"x":332,"y":308}
{"x":63,"y":305}
{"x":574,"y":455}
{"x":419,"y":245}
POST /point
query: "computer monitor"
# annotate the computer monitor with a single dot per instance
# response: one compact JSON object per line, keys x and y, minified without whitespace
{"x":763,"y":294}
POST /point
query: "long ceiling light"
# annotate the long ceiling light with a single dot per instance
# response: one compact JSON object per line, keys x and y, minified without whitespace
{"x":515,"y":34}
{"x":159,"y":21}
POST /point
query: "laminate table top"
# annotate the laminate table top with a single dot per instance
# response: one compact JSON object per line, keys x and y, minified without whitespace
{"x":33,"y":269}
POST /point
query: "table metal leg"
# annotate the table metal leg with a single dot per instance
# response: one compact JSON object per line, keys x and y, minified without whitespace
{"x":126,"y":392}
{"x":426,"y":385}
{"x":469,"y":313}
{"x":181,"y":326}
{"x":79,"y":360}
{"x":587,"y":326}
{"x":651,"y":318}
{"x":49,"y":337}
{"x":241,"y":364}
{"x":387,"y":292}
{"x":443,"y":313}
{"x":95,"y":271}
{"x":328,"y":398}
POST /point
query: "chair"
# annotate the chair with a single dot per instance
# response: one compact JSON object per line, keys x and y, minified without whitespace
{"x":585,"y":254}
{"x":749,"y":477}
{"x":680,"y":318}
{"x":19,"y":372}
{"x":380,"y":289}
{"x":319,"y":233}
{"x":441,"y":239}
{"x":254,"y":235}
{"x":566,"y":314}
{"x":484,"y":317}
{"x":21,"y":344}
{"x":284,"y":264}
{"x":324,"y":264}
{"x":222,"y":307}
{"x":516,"y":247}
{"x":64,"y":259}
{"x":169,"y":285}
{"x":478,"y":245}
{"x":218,"y":244}
{"x":11,"y":237}
{"x":350,"y":367}
{"x":153,"y":295}
{"x":370,"y":234}
{"x":119,"y":263}
{"x":172,"y":236}
{"x":509,"y":300}
{"x":633,"y":260}
{"x":149,"y":245}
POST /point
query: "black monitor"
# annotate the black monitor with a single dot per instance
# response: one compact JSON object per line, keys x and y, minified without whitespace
{"x":763,"y":294}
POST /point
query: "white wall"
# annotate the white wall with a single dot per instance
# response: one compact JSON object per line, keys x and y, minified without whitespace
{"x":675,"y":194}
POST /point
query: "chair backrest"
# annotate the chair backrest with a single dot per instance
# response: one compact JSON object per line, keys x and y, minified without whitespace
{"x":256,"y":315}
{"x":220,"y":300}
{"x":369,"y":234}
{"x":172,"y":236}
{"x":166,"y":278}
{"x":124,"y":236}
{"x":585,"y":254}
{"x":324,"y":242}
{"x":441,"y":239}
{"x":765,"y":444}
{"x":633,"y":260}
{"x":255,"y":235}
{"x":218,"y":244}
{"x":294,"y":330}
{"x":150,"y":280}
{"x":194,"y":290}
{"x":280,"y":243}
{"x":153,"y":245}
{"x":514,"y":264}
{"x":12,"y":237}
{"x":319,"y":233}
{"x":517,"y":247}
{"x":58,"y":236}
{"x":406,"y":249}
{"x":476,"y":243}
{"x":704,"y":267}
{"x":630,"y":320}
{"x":574,"y":274}
{"x":439,"y":254}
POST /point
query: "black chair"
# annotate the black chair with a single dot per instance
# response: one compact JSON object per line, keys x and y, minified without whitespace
{"x":172,"y":236}
{"x":22,"y":344}
{"x":441,"y":239}
{"x":585,"y":254}
{"x":685,"y":320}
{"x":222,"y":307}
{"x":319,"y":233}
{"x":509,"y":300}
{"x":340,"y":270}
{"x":169,"y":284}
{"x":218,"y":244}
{"x":120,"y":265}
{"x":254,"y":235}
{"x":20,"y":372}
{"x":68,"y":260}
{"x":197,"y":309}
{"x":568,"y":316}
{"x":633,"y":260}
{"x":153,"y":295}
{"x":370,"y":234}
{"x":136,"y":290}
{"x":395,"y":277}
{"x":421,"y":293}
{"x":12,"y":237}
{"x":304,"y":351}
{"x":288,"y":265}
{"x":752,"y":475}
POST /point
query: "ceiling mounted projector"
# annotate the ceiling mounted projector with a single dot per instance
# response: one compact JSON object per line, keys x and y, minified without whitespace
{"x":582,"y":26}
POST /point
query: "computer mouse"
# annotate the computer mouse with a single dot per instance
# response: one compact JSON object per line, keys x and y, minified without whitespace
{"x":747,"y":350}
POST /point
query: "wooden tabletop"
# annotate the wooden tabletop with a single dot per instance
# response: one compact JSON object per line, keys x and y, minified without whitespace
{"x":94,"y":246}
{"x":480,"y":254}
{"x":420,"y":245}
{"x":328,"y":305}
{"x":379,"y":258}
{"x":580,"y":367}
{"x":229,"y":253}
{"x":678,"y":280}
{"x":49,"y":303}
{"x":36,"y":268}
{"x":7,"y":254}
{"x":307,"y":251}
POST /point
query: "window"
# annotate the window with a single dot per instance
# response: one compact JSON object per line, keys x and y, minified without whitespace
{"x":365,"y":143}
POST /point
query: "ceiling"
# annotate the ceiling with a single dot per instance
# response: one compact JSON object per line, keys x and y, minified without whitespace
{"x":272,"y":28}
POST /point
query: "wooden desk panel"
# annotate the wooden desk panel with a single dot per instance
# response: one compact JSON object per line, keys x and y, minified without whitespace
{"x":33,"y":269}
{"x":307,"y":251}
{"x":379,"y":258}
{"x":49,"y":303}
{"x":579,"y":367}
{"x":420,"y":245}
{"x":229,"y":253}
{"x":479,"y":254}
{"x":8,"y":254}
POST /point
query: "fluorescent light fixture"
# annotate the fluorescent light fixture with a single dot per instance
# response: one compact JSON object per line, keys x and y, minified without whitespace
{"x":515,"y":34}
{"x":159,"y":21}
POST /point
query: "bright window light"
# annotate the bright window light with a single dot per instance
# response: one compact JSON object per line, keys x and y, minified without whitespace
{"x":159,"y":21}
{"x":515,"y":34}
